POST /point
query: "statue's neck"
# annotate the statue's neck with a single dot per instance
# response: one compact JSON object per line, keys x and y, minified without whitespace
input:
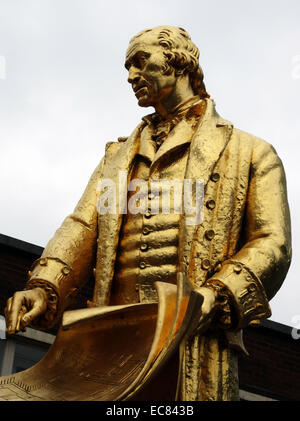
{"x":181,"y":93}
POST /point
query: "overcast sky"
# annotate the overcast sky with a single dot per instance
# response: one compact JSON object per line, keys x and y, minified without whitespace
{"x":64,"y":94}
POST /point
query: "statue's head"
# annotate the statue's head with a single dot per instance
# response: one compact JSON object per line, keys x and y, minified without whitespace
{"x":157,"y":58}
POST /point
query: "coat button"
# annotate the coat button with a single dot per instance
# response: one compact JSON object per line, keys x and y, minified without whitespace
{"x":65,"y":270}
{"x":144,"y":247}
{"x":209,"y":234}
{"x":43,"y":261}
{"x":211,"y":204}
{"x":205,"y":264}
{"x":237,"y":268}
{"x":146,"y":231}
{"x":148,"y":214}
{"x":151,"y":196}
{"x":215,"y":177}
{"x":142,"y":265}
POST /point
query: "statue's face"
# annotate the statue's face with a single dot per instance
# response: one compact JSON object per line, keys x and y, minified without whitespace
{"x":145,"y":63}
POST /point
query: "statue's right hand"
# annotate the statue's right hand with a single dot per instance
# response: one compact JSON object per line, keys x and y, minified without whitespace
{"x":23,"y":307}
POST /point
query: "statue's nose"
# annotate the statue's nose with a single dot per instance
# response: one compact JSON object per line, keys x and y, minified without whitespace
{"x":133,"y":75}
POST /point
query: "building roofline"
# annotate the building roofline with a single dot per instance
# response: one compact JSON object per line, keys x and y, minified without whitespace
{"x":5,"y":240}
{"x":278,"y":327}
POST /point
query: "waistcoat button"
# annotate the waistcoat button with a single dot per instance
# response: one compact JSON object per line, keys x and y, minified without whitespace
{"x":209,"y":234}
{"x":148,"y":214}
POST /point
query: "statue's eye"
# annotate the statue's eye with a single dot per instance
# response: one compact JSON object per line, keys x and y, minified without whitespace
{"x":141,"y":59}
{"x":138,"y":60}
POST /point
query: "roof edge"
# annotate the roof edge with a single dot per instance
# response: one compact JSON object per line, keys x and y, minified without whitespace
{"x":5,"y":240}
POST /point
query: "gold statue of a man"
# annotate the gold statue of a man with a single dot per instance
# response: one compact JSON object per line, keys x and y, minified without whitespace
{"x":237,"y":255}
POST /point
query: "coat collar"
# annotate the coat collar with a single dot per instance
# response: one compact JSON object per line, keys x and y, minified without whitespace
{"x":180,"y":135}
{"x":183,"y":122}
{"x":207,"y":145}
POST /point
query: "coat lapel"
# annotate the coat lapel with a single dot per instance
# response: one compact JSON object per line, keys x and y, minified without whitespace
{"x":118,"y":161}
{"x":208,"y":144}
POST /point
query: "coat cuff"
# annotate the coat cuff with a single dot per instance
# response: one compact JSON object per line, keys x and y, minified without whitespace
{"x":247,"y":294}
{"x":51,"y":274}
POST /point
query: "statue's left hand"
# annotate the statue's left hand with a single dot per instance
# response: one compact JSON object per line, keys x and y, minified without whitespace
{"x":208,"y":309}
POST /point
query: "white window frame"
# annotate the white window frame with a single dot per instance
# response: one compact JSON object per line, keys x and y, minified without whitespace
{"x":34,"y":336}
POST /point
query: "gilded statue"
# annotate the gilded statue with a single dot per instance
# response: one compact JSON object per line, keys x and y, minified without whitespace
{"x":234,"y":251}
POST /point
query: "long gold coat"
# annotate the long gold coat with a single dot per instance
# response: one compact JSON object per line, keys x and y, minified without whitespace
{"x":246,"y":208}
